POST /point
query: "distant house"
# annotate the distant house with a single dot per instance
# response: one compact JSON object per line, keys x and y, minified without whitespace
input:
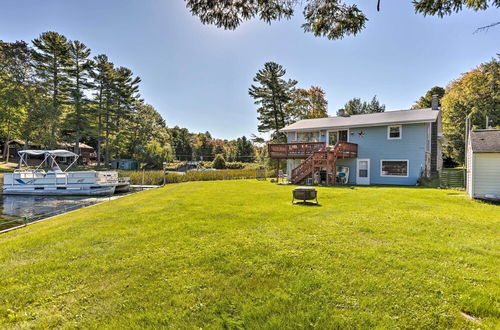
{"x":393,"y":147}
{"x":87,"y":153}
{"x":483,"y":164}
{"x":17,"y":145}
{"x":125,"y":164}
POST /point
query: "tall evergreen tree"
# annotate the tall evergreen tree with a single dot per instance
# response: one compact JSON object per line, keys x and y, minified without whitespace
{"x":244,"y":150}
{"x":51,"y":60}
{"x":181,"y":143}
{"x":375,"y":106}
{"x":126,"y":100}
{"x":79,"y":72}
{"x":272,"y":95}
{"x":357,"y":107}
{"x":102,"y":80}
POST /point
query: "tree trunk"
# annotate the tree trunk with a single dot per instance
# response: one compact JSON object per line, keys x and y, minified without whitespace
{"x":6,"y":150}
{"x":99,"y":127}
{"x":106,"y":150}
{"x":54,"y":101}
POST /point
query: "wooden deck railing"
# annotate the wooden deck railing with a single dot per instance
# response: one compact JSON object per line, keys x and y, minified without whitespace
{"x":324,"y":159}
{"x":299,"y":150}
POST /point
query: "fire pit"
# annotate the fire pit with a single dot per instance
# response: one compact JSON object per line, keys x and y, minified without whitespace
{"x":305,"y":194}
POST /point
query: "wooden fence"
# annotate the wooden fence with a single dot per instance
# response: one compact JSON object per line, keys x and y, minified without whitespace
{"x":452,"y":178}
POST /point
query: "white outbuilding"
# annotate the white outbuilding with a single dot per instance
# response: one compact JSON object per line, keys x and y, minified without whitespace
{"x":483,"y":164}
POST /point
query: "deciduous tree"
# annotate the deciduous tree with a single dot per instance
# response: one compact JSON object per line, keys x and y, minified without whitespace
{"x":426,"y":100}
{"x":308,"y":103}
{"x":475,"y":94}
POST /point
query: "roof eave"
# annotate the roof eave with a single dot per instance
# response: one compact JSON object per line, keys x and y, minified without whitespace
{"x":356,"y":126}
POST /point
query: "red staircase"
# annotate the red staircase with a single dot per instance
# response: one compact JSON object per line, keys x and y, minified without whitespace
{"x":324,"y":159}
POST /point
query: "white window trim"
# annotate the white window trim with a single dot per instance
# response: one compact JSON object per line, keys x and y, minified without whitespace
{"x":389,"y":132}
{"x":337,"y":132}
{"x":395,"y":160}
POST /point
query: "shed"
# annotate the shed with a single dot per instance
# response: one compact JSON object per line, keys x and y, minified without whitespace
{"x":125,"y":164}
{"x":483,"y":164}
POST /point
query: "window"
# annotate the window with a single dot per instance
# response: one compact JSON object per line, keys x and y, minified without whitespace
{"x":335,"y":136}
{"x":394,"y":132}
{"x":394,"y":168}
{"x":308,"y":136}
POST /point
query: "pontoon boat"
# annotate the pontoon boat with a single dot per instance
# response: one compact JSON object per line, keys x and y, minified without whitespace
{"x":57,"y":182}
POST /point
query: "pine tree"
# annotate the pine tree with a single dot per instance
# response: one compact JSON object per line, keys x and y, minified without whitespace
{"x":272,"y":95}
{"x":375,"y":106}
{"x":357,"y":107}
{"x":102,"y":80}
{"x":126,"y":98}
{"x":51,"y":60}
{"x":79,"y":72}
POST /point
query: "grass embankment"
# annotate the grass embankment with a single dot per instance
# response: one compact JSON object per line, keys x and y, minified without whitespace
{"x":156,"y":177}
{"x":239,"y":254}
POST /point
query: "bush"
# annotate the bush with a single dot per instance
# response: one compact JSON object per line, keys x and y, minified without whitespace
{"x":219,"y":162}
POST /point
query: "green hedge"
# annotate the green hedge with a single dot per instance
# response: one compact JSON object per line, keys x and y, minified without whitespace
{"x":156,"y":177}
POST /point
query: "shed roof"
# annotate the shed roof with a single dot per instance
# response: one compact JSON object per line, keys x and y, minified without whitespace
{"x":371,"y":119}
{"x":485,"y":140}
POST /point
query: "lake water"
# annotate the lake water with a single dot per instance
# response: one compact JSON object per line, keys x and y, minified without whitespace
{"x":14,"y":208}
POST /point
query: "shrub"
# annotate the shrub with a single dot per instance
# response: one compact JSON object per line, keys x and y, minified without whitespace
{"x":219,"y":162}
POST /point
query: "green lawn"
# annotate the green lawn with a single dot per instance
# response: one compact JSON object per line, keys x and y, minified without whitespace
{"x":238,"y":254}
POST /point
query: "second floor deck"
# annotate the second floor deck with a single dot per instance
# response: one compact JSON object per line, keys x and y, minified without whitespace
{"x":302,"y":150}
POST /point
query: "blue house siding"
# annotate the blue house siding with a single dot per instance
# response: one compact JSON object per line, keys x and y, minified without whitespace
{"x":373,"y":144}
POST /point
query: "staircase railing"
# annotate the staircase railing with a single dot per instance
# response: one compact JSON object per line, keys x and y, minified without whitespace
{"x":321,"y":157}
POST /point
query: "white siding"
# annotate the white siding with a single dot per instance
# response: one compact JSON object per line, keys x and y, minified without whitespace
{"x":470,"y":169}
{"x":486,"y":174}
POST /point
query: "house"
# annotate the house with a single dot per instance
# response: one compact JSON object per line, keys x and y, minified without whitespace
{"x":483,"y":164}
{"x":394,"y":147}
{"x":17,"y":145}
{"x":87,"y":153}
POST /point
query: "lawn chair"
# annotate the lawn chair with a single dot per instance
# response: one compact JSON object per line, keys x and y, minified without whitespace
{"x":342,"y":176}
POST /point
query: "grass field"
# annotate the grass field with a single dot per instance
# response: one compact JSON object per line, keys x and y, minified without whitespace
{"x":238,"y":254}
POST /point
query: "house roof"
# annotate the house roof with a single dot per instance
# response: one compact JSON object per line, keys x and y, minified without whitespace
{"x":372,"y":119}
{"x":72,"y":145}
{"x":485,"y":140}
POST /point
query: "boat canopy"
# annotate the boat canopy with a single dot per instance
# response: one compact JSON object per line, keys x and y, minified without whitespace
{"x":56,"y":153}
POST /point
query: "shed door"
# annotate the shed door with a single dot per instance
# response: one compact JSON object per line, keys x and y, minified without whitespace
{"x":363,"y":171}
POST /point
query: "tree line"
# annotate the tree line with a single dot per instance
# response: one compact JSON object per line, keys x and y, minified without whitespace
{"x":54,"y":91}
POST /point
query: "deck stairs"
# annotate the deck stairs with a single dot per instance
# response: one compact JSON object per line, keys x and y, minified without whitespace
{"x":325,"y":158}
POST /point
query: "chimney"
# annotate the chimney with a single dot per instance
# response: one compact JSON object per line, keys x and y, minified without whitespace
{"x":341,"y":113}
{"x":435,"y":102}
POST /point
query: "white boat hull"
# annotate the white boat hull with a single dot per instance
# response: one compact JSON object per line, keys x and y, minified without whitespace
{"x":59,"y":191}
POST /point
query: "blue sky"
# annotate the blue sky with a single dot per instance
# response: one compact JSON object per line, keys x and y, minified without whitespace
{"x":198,"y":76}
